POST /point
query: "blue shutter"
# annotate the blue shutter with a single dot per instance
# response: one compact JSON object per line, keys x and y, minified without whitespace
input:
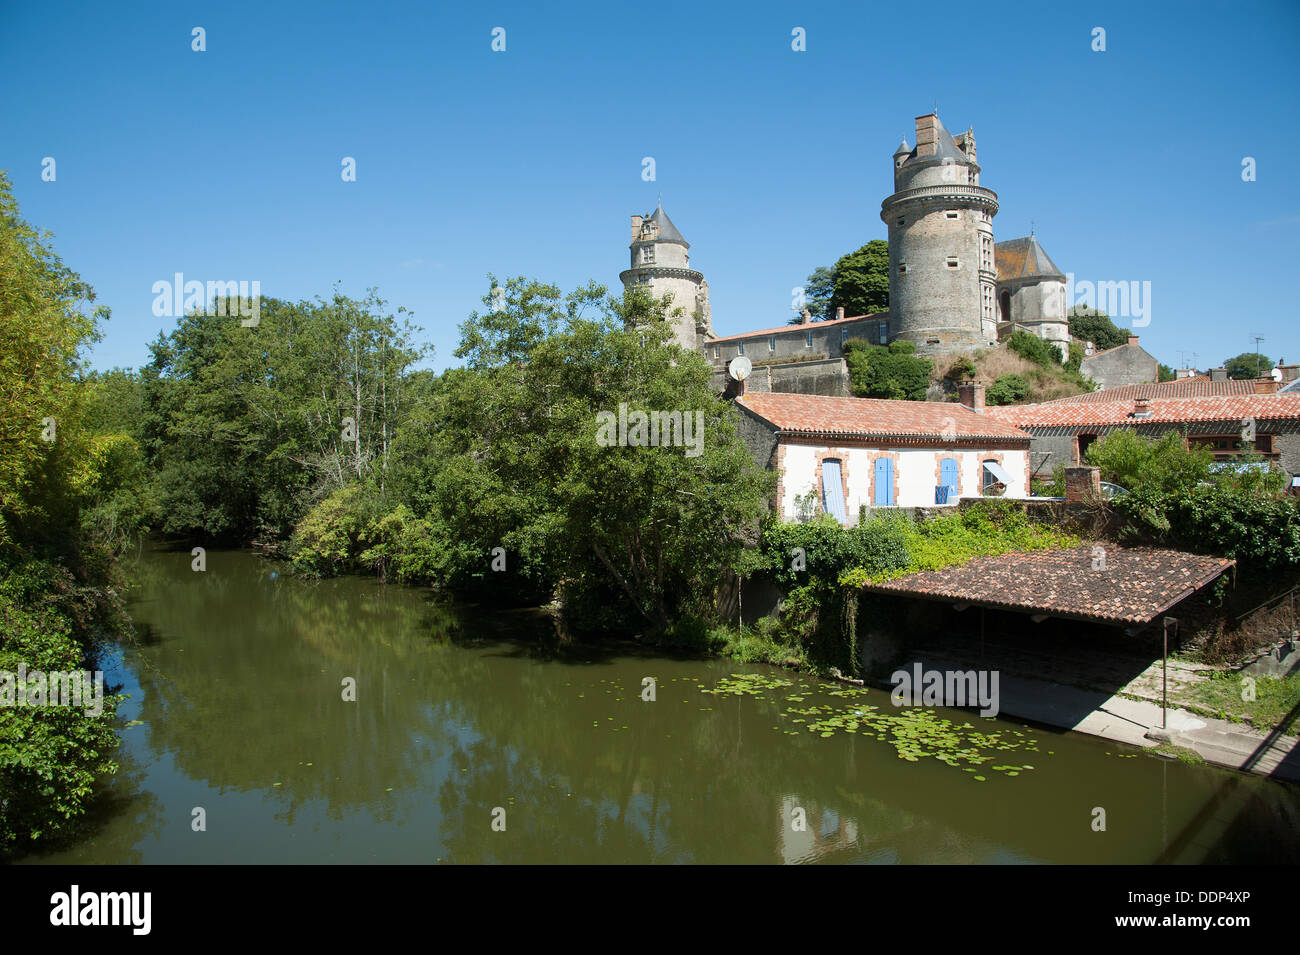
{"x":884,"y":482}
{"x":833,"y":490}
{"x":949,"y":479}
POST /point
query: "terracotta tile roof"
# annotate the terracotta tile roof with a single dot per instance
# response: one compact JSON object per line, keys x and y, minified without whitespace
{"x":1198,"y":386}
{"x":834,"y":322}
{"x":1163,"y":411}
{"x":875,"y":417}
{"x":1139,"y":584}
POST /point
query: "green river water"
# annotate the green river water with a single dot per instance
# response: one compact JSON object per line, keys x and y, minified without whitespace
{"x":466,"y":714}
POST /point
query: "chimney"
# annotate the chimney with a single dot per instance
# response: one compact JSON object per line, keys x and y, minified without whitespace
{"x":839,"y":313}
{"x":1218,"y":374}
{"x":1265,"y":386}
{"x":972,"y":396}
{"x":1132,"y":339}
{"x":927,"y":135}
{"x":636,"y":228}
{"x":805,"y":318}
{"x":1082,"y":484}
{"x":1141,"y":408}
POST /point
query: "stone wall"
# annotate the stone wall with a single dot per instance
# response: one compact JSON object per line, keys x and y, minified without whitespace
{"x":825,"y":377}
{"x":1123,"y":365}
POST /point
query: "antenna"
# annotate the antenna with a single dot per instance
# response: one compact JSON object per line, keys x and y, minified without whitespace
{"x":1258,"y":357}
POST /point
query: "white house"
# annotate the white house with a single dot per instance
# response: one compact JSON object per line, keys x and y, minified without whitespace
{"x":851,"y":452}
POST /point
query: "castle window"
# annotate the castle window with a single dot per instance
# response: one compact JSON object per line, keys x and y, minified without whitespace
{"x":740,"y":348}
{"x":902,"y":221}
{"x":716,"y":351}
{"x":953,"y":262}
{"x":771,"y":343}
{"x":648,"y":254}
{"x":643,"y":280}
{"x":951,"y":215}
{"x":884,"y":333}
{"x":807,"y":340}
{"x":901,"y":268}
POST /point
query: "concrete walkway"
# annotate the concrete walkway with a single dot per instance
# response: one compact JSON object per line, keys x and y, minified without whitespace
{"x":1136,"y":722}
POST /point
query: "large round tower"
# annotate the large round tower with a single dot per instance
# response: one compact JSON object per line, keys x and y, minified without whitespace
{"x":661,"y":262}
{"x":942,"y":275}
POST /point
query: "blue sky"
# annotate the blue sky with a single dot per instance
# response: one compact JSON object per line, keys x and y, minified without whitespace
{"x":226,"y":164}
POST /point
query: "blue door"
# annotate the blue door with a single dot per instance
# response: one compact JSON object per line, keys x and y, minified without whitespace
{"x":884,"y":482}
{"x":833,"y":490}
{"x":948,"y":478}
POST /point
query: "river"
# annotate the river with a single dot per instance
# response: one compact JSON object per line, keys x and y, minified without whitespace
{"x":473,"y":738}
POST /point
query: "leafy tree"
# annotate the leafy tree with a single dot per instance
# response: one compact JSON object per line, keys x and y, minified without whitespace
{"x":893,"y":371}
{"x":818,"y":290}
{"x":862,"y":280}
{"x":1095,"y":326}
{"x":1165,"y":373}
{"x":1007,"y":390}
{"x":1138,"y":463}
{"x":1248,"y":365}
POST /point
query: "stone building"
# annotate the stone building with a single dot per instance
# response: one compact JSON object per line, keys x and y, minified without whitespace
{"x":1031,"y":293}
{"x":660,"y":260}
{"x":1127,"y":364}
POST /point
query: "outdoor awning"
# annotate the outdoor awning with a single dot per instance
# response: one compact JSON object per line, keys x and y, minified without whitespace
{"x":997,"y":471}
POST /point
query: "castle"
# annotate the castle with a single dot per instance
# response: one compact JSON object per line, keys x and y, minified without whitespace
{"x":952,"y":288}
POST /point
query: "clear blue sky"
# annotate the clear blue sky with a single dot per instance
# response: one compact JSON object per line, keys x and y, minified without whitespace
{"x":226,"y":164}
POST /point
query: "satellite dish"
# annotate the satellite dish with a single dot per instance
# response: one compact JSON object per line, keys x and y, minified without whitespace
{"x":740,"y":367}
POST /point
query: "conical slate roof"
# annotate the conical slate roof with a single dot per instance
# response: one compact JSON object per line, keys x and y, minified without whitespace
{"x":1019,"y":259}
{"x":667,"y":231}
{"x":903,"y":149}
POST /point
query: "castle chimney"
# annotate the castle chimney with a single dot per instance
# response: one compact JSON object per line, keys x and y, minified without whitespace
{"x":1265,"y":386}
{"x":1141,"y":408}
{"x":1132,"y":339}
{"x":636,"y":228}
{"x":805,"y":318}
{"x":927,"y":135}
{"x":839,"y":313}
{"x":972,"y":396}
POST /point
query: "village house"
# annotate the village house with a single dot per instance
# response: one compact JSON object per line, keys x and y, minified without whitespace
{"x":1062,"y":430}
{"x":840,"y":455}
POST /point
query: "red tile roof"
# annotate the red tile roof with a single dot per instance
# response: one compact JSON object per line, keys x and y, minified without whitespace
{"x":875,"y":417}
{"x":1163,"y":411}
{"x":795,"y":328}
{"x":1137,"y":586}
{"x":1197,"y":386}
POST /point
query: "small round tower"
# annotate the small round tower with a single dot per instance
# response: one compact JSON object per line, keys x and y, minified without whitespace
{"x":660,"y":261}
{"x":942,"y":276}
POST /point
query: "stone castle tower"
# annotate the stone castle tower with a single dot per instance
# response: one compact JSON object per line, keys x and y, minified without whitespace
{"x":942,"y":272}
{"x":660,"y":260}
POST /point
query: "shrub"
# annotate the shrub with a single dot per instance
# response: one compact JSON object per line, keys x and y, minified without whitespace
{"x":876,"y":371}
{"x":1007,"y":390}
{"x":963,"y":369}
{"x":1033,"y":348}
{"x":1137,"y":463}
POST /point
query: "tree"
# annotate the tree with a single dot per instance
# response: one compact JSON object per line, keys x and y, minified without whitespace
{"x":1095,"y":326}
{"x":1142,"y":464}
{"x":1248,"y":365}
{"x":862,"y":280}
{"x":818,"y":290}
{"x":1165,"y":373}
{"x":893,"y":371}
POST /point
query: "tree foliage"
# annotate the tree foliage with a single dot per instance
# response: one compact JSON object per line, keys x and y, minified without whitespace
{"x":1248,"y":365}
{"x":1092,"y":325}
{"x":893,"y":371}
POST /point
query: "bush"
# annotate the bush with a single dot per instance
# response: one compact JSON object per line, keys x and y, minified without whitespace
{"x":877,"y":371}
{"x":963,"y":369}
{"x":1007,"y":390}
{"x":1258,"y":529}
{"x":1035,"y":349}
{"x":1137,"y":463}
